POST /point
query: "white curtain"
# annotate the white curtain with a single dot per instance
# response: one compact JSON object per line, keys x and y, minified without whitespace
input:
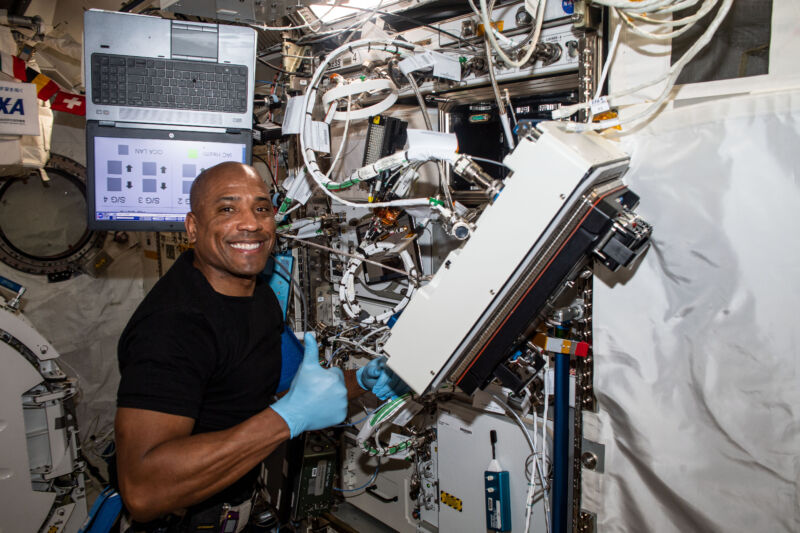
{"x":696,"y":358}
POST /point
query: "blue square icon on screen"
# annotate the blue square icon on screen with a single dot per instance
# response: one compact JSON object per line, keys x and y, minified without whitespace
{"x":122,"y":149}
{"x":148,"y":169}
{"x":114,"y":184}
{"x":115,"y":167}
{"x":187,"y":187}
{"x":189,"y":171}
{"x":148,"y":185}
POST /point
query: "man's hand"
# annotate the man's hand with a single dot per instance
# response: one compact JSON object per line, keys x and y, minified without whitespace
{"x":317,"y":398}
{"x":380,"y":379}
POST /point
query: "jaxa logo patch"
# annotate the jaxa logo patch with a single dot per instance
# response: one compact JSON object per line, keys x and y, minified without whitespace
{"x":9,"y":106}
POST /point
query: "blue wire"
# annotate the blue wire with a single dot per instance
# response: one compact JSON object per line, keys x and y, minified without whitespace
{"x":365,"y":485}
{"x":353,"y":423}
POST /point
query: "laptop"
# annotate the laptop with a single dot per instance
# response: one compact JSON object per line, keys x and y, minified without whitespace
{"x":165,"y":99}
{"x":151,"y":70}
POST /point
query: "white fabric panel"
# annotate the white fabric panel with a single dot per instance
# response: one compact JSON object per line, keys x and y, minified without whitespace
{"x":83,"y":318}
{"x":696,"y":354}
{"x":638,"y":60}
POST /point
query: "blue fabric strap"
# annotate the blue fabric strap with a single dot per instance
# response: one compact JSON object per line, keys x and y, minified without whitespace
{"x":291,"y":356}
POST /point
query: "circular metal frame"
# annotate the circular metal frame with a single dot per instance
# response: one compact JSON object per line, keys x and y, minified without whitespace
{"x":62,"y":265}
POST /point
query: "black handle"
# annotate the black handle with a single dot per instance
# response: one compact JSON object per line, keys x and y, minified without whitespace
{"x":371,"y":491}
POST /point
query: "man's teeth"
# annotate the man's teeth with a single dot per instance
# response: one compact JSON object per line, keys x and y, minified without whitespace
{"x":246,"y":245}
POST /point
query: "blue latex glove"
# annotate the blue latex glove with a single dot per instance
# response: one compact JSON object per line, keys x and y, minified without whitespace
{"x":317,"y":398}
{"x":380,"y":379}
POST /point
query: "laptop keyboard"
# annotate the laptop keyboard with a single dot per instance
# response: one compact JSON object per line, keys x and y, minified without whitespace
{"x":168,"y":84}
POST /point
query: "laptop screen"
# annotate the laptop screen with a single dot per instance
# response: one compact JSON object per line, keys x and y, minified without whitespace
{"x":140,"y":179}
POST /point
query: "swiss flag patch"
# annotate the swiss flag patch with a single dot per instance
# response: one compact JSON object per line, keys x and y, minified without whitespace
{"x":69,"y":103}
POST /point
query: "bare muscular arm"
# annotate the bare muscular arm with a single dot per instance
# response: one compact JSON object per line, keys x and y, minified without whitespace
{"x":163,"y":467}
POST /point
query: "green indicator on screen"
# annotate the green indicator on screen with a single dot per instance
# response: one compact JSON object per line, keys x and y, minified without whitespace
{"x":192,"y":153}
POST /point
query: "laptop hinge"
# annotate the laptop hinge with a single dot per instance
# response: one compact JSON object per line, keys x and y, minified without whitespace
{"x":107,"y":123}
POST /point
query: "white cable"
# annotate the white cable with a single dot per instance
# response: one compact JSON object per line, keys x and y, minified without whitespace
{"x":642,"y":6}
{"x":487,"y":28}
{"x":671,"y":75}
{"x":527,"y":434}
{"x":294,"y":208}
{"x":668,"y":22}
{"x":373,"y":332}
{"x":339,"y":252}
{"x":309,"y":99}
{"x":362,"y":21}
{"x":532,"y":482}
{"x":359,"y":346}
{"x":287,"y":28}
{"x":704,"y":9}
{"x":358,"y":87}
{"x":501,"y":110}
{"x":347,"y":291}
{"x":344,"y":140}
{"x":609,"y":58}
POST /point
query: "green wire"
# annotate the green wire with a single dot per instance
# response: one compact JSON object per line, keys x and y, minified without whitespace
{"x":388,"y":451}
{"x":345,"y":184}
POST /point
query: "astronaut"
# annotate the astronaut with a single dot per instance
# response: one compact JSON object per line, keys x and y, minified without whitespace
{"x":201,"y":362}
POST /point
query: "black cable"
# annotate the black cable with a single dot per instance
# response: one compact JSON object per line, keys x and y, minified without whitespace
{"x":271,"y":175}
{"x":282,"y":71}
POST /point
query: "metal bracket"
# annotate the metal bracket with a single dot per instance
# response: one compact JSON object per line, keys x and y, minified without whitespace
{"x":593,"y":456}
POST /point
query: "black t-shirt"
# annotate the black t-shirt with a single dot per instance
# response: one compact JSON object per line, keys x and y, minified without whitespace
{"x":191,"y":351}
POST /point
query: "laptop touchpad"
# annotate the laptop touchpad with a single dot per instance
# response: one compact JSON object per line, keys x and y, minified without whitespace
{"x":194,"y":42}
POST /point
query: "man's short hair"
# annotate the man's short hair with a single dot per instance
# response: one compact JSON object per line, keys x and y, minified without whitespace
{"x":200,"y":183}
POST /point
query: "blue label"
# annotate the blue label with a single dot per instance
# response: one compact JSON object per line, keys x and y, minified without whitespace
{"x":9,"y":108}
{"x":568,"y":6}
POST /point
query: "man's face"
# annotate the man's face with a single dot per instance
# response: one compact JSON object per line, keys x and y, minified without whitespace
{"x":232,"y":228}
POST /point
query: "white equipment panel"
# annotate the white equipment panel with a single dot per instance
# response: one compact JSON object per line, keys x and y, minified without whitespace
{"x":464,"y":454}
{"x":548,"y":174}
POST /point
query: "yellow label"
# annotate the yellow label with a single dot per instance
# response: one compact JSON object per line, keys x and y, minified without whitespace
{"x":451,"y":501}
{"x":376,"y":119}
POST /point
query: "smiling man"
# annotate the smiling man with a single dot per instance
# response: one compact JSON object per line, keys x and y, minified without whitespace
{"x":200,"y":364}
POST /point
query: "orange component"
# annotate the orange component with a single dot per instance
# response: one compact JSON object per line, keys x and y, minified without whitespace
{"x":606,"y":115}
{"x":388,"y":215}
{"x":498,"y":25}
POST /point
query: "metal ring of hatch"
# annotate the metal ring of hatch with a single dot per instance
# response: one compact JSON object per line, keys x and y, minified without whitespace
{"x":63,"y":264}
